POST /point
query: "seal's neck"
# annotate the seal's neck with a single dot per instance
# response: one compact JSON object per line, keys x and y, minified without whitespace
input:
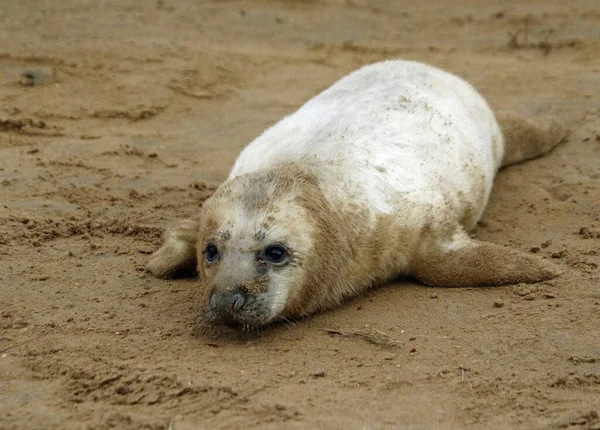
{"x":352,"y":250}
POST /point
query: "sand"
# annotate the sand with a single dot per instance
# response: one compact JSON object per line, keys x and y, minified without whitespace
{"x":120,"y":117}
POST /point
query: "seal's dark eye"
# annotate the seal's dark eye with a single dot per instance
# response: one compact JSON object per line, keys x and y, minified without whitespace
{"x":211,"y":253}
{"x":276,"y":254}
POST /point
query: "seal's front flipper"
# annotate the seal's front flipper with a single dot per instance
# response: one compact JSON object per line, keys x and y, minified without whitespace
{"x":177,"y":255}
{"x":466,"y":262}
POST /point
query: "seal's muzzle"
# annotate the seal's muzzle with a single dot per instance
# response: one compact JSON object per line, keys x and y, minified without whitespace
{"x":229,"y":302}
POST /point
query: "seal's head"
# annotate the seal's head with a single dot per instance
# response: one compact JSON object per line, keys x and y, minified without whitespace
{"x":256,"y":237}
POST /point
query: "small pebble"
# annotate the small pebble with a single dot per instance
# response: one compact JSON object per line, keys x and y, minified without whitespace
{"x":36,"y":76}
{"x":498,"y":304}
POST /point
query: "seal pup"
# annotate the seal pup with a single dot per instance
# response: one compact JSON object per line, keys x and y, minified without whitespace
{"x":380,"y":175}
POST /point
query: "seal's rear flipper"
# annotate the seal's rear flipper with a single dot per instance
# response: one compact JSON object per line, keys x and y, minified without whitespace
{"x":177,"y":255}
{"x":525,"y":139}
{"x":466,"y":262}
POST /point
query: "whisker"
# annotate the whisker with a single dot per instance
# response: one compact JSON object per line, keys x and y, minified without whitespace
{"x":287,"y":320}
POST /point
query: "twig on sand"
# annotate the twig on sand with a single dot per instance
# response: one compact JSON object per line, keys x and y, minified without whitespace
{"x":375,"y":337}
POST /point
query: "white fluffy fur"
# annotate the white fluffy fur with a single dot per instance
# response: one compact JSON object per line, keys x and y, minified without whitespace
{"x":388,"y":135}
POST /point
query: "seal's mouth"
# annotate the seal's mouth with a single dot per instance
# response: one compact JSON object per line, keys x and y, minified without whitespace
{"x":236,"y":322}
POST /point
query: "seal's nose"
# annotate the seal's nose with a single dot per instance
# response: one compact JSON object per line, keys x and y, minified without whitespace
{"x":229,"y":301}
{"x":238,"y":300}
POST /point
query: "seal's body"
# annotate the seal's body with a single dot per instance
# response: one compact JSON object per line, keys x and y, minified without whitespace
{"x":390,"y":135}
{"x":379,"y":176}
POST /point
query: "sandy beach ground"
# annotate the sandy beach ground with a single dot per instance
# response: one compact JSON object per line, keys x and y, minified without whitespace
{"x":120,"y":117}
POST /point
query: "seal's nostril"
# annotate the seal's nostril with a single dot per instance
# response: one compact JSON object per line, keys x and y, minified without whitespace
{"x":228,"y":302}
{"x":237,"y":302}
